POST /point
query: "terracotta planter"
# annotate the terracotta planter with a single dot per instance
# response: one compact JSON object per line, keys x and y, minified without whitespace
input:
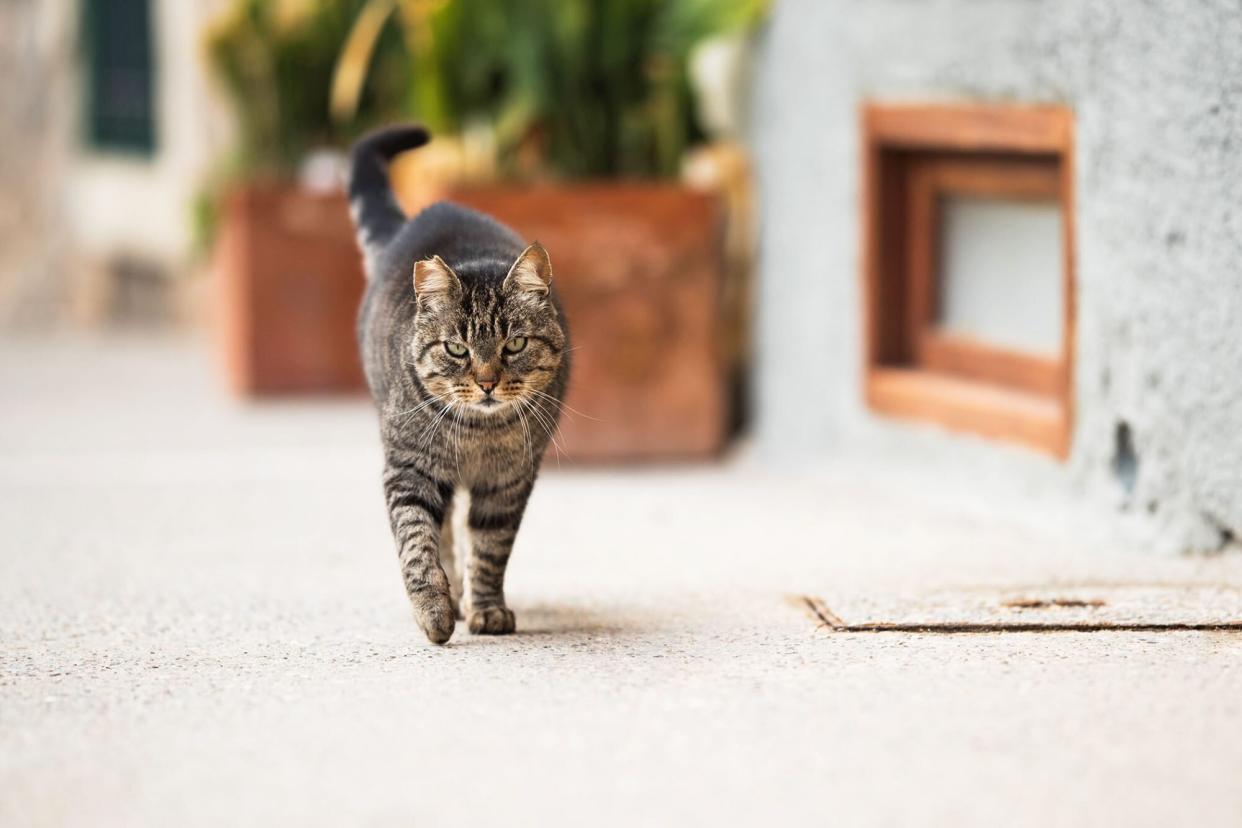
{"x":639,"y":269}
{"x":289,"y":282}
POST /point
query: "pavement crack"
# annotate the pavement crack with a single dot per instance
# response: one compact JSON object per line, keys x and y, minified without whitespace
{"x":819,"y":611}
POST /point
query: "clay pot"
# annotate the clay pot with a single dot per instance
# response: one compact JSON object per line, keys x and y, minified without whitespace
{"x":289,"y":281}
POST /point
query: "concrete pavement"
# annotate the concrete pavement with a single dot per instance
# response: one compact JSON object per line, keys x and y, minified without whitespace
{"x":202,"y":624}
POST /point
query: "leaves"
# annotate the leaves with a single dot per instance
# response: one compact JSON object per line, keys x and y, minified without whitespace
{"x":569,"y":88}
{"x":277,"y":59}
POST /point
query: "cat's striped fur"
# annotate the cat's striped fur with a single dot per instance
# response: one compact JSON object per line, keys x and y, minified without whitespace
{"x":466,"y":351}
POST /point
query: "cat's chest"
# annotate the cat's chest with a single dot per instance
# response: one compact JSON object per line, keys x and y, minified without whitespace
{"x":481,"y":455}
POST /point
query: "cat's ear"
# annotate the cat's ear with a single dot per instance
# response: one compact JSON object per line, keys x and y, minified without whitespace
{"x":532,"y":272}
{"x":433,"y":278}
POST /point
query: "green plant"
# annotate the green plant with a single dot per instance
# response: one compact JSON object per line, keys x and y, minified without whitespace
{"x":576,"y":88}
{"x":276,"y":58}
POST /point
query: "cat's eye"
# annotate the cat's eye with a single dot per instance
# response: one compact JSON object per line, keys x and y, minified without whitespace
{"x":516,"y":344}
{"x":456,"y":349}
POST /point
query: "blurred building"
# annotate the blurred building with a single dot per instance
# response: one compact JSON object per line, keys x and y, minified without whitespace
{"x":109,"y":129}
{"x":1123,"y":117}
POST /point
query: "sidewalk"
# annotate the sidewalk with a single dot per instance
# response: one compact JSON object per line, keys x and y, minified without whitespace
{"x":203,"y":624}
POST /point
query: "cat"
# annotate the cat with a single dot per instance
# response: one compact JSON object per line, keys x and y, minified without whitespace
{"x":466,"y":351}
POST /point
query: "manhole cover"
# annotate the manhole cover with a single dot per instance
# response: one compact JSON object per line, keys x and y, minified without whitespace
{"x":1073,"y":608}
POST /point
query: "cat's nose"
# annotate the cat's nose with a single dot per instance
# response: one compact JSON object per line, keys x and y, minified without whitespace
{"x":487,"y":385}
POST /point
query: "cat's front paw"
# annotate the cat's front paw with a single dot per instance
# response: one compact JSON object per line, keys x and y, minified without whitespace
{"x":491,"y":621}
{"x":437,"y":616}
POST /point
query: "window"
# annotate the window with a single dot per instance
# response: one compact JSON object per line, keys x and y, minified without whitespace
{"x":968,"y":268}
{"x":119,"y":75}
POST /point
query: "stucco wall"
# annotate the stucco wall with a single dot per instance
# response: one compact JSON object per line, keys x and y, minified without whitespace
{"x":67,"y":209}
{"x":119,"y":204}
{"x":36,"y":55}
{"x":1157,"y":91}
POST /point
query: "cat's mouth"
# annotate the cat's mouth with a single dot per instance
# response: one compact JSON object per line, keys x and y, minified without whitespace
{"x":489,"y":405}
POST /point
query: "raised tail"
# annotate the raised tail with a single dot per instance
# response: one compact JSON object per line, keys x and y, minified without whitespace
{"x":375,"y":211}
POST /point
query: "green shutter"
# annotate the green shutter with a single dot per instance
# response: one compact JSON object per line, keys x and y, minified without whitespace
{"x":119,"y":83}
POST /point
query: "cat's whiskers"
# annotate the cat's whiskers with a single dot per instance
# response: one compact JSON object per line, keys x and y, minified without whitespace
{"x":405,"y":415}
{"x":548,"y":426}
{"x":525,"y":403}
{"x":455,"y":436}
{"x":434,"y":427}
{"x":560,"y":404}
{"x":530,"y":451}
{"x":424,"y":437}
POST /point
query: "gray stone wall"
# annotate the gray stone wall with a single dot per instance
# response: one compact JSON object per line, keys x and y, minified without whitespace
{"x":1157,"y":92}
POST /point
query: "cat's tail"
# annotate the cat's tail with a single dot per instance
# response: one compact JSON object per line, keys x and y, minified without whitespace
{"x":375,"y":211}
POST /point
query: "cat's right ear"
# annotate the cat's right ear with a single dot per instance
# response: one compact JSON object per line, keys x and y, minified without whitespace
{"x":433,"y":279}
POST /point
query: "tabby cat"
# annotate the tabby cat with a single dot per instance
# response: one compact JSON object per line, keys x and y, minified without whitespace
{"x":466,"y":352}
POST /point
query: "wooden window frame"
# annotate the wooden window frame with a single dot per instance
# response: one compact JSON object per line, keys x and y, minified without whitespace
{"x":913,"y":156}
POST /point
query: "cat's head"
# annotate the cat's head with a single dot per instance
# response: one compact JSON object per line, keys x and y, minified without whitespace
{"x":487,"y":343}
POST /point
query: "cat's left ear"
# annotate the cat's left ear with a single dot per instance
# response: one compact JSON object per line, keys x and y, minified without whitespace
{"x":532,"y":272}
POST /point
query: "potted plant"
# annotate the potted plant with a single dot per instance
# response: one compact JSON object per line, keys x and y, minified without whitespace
{"x":583,"y":113}
{"x":286,"y":267}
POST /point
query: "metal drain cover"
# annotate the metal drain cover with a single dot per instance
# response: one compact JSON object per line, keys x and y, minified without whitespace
{"x":1085,"y":608}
